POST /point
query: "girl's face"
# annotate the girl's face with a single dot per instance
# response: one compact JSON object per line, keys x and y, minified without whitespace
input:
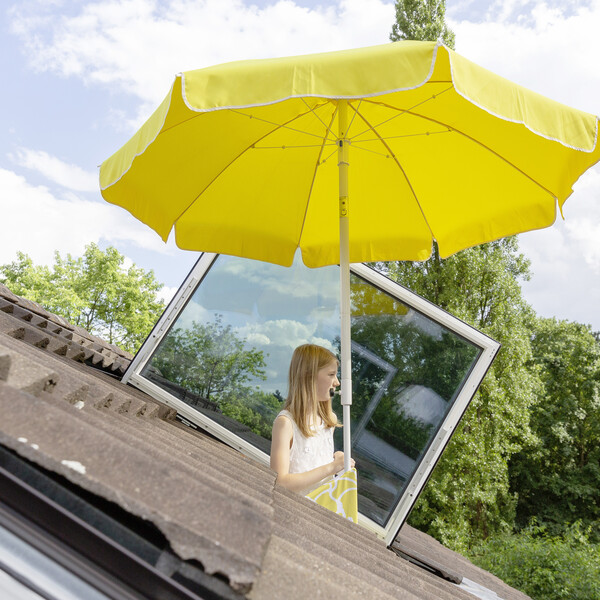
{"x":327,"y":379}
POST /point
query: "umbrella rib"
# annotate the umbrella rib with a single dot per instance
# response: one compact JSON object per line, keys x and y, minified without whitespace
{"x":355,"y":144}
{"x":354,"y":115}
{"x":329,"y":155}
{"x":392,"y":155}
{"x":182,"y":122}
{"x":280,"y":125}
{"x":277,"y":126}
{"x":312,"y":110}
{"x":469,"y":137}
{"x":312,"y":183}
{"x":402,"y":111}
{"x":395,"y":137}
{"x":296,"y":146}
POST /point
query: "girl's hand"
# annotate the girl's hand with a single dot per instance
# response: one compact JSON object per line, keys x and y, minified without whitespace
{"x":338,"y":461}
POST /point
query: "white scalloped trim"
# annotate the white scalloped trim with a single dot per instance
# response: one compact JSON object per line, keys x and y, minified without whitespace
{"x":504,"y":118}
{"x":145,"y":147}
{"x":379,"y":93}
{"x":240,"y":106}
{"x":371,"y":95}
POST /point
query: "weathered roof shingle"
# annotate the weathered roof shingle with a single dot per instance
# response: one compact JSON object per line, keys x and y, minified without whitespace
{"x":62,"y":410}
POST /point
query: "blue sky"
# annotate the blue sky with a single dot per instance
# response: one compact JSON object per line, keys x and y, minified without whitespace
{"x":80,"y":76}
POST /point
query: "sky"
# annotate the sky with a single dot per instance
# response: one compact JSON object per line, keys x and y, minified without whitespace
{"x":82,"y":76}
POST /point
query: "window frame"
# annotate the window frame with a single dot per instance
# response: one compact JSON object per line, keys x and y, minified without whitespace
{"x":489,"y":348}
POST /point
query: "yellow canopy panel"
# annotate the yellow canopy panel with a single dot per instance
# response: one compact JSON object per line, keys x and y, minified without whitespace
{"x":241,"y":158}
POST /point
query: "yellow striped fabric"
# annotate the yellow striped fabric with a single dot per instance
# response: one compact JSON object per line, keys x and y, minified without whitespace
{"x":340,"y":495}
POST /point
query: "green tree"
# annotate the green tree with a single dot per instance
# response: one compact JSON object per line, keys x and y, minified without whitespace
{"x":208,"y":359}
{"x":558,"y":479}
{"x":212,"y":362}
{"x":423,"y":20}
{"x":255,"y":409}
{"x":468,"y":496}
{"x":544,"y":566}
{"x":95,"y":291}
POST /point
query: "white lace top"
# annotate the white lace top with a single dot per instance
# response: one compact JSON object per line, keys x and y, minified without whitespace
{"x":308,"y":453}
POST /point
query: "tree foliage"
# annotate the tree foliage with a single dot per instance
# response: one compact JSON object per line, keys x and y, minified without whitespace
{"x":208,"y":359}
{"x":211,"y":361}
{"x":255,"y":409}
{"x":423,"y":20}
{"x":558,"y":478}
{"x":468,"y":496}
{"x":527,"y":447}
{"x":544,"y":566}
{"x":96,"y":291}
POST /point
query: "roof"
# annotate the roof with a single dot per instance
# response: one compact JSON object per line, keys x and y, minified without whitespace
{"x":64,"y":412}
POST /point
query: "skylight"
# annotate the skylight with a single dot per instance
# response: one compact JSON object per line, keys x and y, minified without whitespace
{"x":221,"y":351}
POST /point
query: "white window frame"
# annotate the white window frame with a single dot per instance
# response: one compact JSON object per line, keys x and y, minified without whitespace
{"x":489,"y":349}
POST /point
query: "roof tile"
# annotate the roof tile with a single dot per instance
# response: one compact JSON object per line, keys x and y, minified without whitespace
{"x":226,"y":532}
{"x":39,"y":331}
{"x":213,"y":505}
{"x":6,"y":294}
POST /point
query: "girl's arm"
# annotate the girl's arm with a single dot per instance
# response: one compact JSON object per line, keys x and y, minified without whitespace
{"x":280,"y":460}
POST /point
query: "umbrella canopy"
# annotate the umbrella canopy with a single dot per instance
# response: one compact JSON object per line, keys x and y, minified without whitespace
{"x":241,"y":158}
{"x":249,"y":158}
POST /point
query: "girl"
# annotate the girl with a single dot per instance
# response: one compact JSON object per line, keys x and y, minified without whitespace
{"x":302,"y":442}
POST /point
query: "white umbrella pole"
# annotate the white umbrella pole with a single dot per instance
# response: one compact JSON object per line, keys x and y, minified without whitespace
{"x":345,"y":279}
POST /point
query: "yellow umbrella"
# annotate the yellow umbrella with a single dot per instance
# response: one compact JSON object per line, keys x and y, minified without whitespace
{"x":247,"y":159}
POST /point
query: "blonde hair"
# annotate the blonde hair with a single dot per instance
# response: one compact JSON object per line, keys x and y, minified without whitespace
{"x":302,"y":401}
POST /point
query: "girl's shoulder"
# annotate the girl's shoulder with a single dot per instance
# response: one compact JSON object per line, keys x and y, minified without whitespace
{"x":285,"y":424}
{"x":287,"y":414}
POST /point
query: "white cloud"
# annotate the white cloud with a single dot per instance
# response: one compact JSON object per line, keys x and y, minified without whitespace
{"x":166,"y":293}
{"x":582,"y":214}
{"x":257,"y":339}
{"x":284,"y":333}
{"x":37,"y":222}
{"x":138,"y":46}
{"x":552,"y":50}
{"x":64,"y":174}
{"x":194,"y":313}
{"x":565,"y":258}
{"x":279,"y":332}
{"x":291,"y":281}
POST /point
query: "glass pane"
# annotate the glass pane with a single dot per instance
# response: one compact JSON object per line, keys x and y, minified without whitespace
{"x":227,"y":355}
{"x":406,"y":370}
